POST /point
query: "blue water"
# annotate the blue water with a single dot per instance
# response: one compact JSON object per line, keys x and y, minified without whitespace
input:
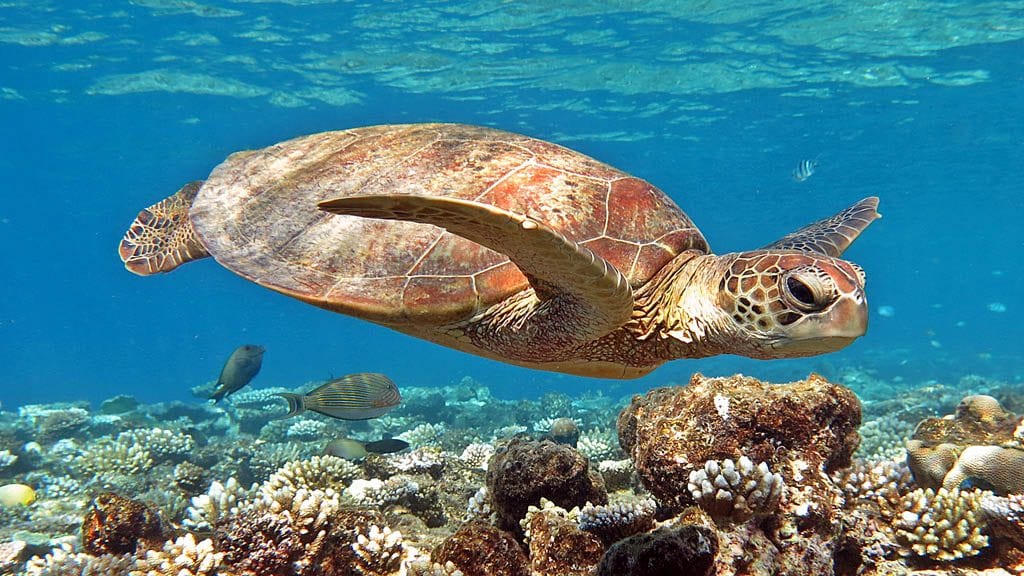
{"x":921,"y":107}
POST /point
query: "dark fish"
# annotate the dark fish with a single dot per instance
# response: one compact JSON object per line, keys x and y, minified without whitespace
{"x":346,"y":448}
{"x":386,"y":446}
{"x":354,"y":397}
{"x":241,"y":367}
{"x":350,"y":449}
{"x":805,"y":170}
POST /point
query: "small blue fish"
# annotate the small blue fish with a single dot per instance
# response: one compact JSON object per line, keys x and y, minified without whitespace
{"x":805,"y":170}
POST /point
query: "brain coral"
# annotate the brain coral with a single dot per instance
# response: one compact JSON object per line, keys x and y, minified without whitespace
{"x":977,"y":443}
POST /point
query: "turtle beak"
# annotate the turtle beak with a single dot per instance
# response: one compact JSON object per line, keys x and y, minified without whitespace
{"x":832,"y":329}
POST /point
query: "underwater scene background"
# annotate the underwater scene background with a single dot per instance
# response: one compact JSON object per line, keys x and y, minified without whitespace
{"x":108,"y":107}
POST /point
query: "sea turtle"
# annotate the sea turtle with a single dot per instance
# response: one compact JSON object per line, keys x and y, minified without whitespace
{"x":507,"y":247}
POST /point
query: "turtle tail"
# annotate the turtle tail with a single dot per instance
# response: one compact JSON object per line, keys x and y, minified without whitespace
{"x":296,"y":405}
{"x":162,"y":238}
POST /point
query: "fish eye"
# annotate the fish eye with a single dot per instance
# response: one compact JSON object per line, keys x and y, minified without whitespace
{"x":805,"y":292}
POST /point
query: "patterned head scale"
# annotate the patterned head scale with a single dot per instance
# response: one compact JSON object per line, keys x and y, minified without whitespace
{"x":795,"y":303}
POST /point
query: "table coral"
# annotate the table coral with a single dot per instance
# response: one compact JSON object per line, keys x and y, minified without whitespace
{"x":977,"y":443}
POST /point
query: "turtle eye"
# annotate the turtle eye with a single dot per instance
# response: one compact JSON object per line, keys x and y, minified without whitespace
{"x":805,"y":292}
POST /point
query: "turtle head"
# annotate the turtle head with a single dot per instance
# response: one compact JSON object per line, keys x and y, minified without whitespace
{"x":787,"y":303}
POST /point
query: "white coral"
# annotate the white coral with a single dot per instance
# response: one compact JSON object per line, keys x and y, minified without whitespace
{"x":378,"y":552}
{"x":220,"y":501}
{"x":477,"y":455}
{"x":63,"y":561}
{"x":597,"y":445}
{"x":181,"y":557}
{"x":735,"y":491}
{"x":161,"y":443}
{"x":944,"y":525}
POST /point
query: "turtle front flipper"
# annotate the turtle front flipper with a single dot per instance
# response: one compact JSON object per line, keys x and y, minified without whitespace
{"x":833,"y":235}
{"x":162,"y":238}
{"x":578,"y":296}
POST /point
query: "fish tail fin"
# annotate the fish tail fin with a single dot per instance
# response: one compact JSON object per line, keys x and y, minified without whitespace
{"x":296,"y":405}
{"x":162,"y":238}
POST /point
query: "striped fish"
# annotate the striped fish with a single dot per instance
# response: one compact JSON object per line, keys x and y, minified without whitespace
{"x":354,"y":397}
{"x":804,"y":170}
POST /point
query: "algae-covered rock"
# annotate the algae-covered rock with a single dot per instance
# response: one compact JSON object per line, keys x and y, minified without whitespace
{"x":525,"y":471}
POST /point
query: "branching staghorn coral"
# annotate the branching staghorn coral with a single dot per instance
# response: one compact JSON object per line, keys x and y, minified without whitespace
{"x":882,"y":483}
{"x":307,"y":429}
{"x":944,"y":525}
{"x":181,"y":557}
{"x":617,"y":474}
{"x":377,"y":493}
{"x":424,"y":435}
{"x":477,"y":454}
{"x":735,"y":492}
{"x":884,"y":437}
{"x":378,"y":552}
{"x":319,"y":472}
{"x":419,"y":461}
{"x":219,"y":502}
{"x":107,"y":456}
{"x":161,"y":443}
{"x":599,"y":444}
{"x":614,"y":521}
{"x":63,"y":561}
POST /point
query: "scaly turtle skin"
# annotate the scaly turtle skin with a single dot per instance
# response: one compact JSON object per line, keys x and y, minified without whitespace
{"x":507,"y":247}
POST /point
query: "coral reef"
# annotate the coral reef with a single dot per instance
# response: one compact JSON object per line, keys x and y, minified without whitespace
{"x":687,"y":550}
{"x":117,"y":525}
{"x":729,"y":475}
{"x":944,"y":525}
{"x":557,"y":546}
{"x":800,"y":431}
{"x":615,"y":521}
{"x":735,"y":492}
{"x":478,"y":549}
{"x":524,"y":471}
{"x":977,"y":443}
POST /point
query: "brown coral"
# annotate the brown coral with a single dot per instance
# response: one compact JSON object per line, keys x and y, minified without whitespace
{"x":978,"y":443}
{"x":669,"y":432}
{"x":525,"y":471}
{"x":479,"y":549}
{"x":117,"y":525}
{"x":687,"y":550}
{"x":557,"y":545}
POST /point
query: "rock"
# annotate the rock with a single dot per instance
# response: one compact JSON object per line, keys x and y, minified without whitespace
{"x":479,"y":549}
{"x":525,"y":471}
{"x":116,"y":525}
{"x":687,"y":550}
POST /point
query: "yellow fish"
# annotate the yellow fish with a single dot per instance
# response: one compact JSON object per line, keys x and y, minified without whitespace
{"x":16,"y":494}
{"x":359,"y":396}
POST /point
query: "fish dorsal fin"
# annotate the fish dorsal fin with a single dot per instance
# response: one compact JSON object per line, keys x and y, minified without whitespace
{"x":833,"y":235}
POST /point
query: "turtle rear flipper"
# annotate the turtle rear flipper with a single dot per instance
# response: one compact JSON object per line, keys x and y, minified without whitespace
{"x":162,"y":238}
{"x":579,"y":296}
{"x":833,"y":235}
